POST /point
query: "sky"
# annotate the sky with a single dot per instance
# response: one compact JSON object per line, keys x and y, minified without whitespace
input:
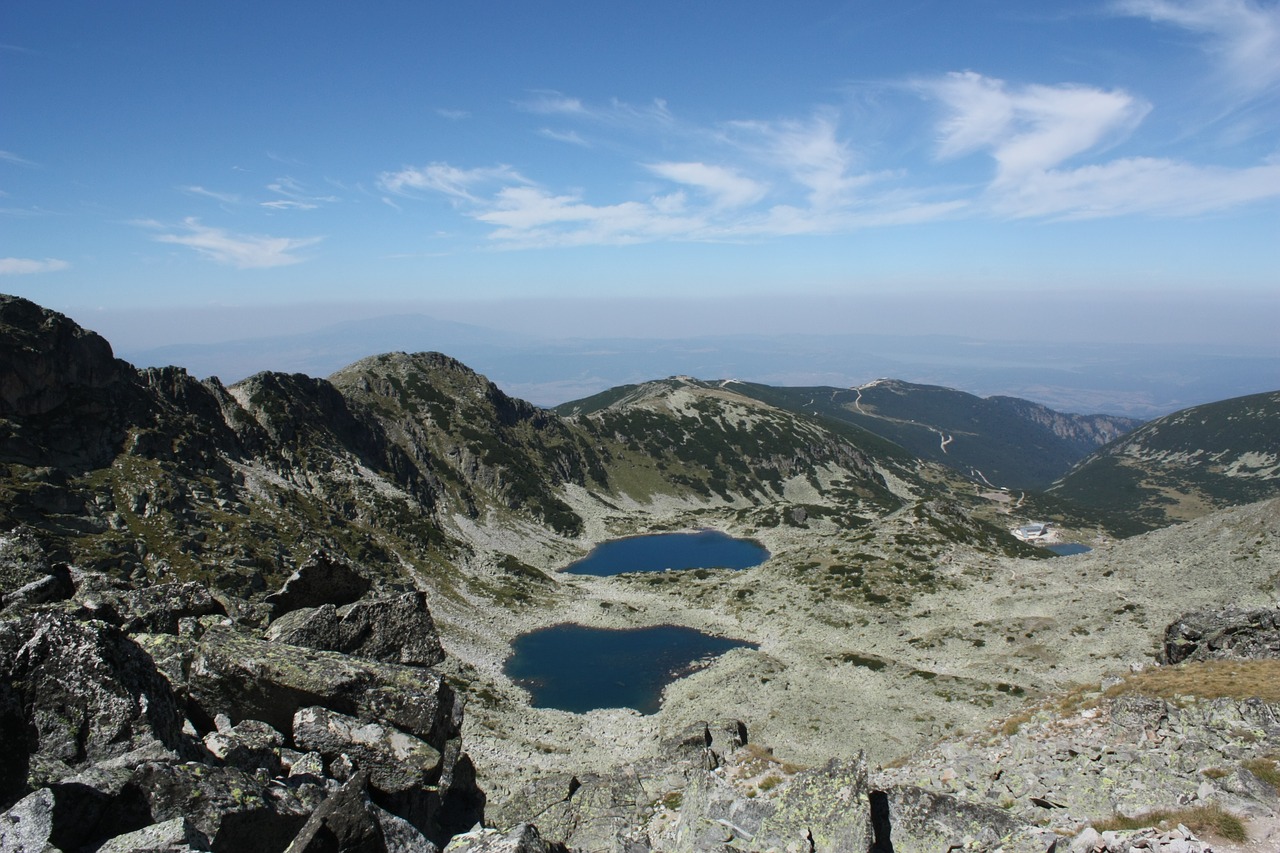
{"x":181,"y":171}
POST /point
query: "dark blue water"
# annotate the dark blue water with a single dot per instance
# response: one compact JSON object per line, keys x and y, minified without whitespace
{"x":1066,"y":549}
{"x":579,"y":669}
{"x":707,"y":549}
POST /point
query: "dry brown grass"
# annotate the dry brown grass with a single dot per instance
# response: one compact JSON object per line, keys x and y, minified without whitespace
{"x":1231,"y":679}
{"x":1202,"y":820}
{"x":1265,"y":769}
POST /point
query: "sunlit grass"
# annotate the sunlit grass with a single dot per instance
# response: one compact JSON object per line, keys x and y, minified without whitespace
{"x":1217,"y":679}
{"x":1202,"y":820}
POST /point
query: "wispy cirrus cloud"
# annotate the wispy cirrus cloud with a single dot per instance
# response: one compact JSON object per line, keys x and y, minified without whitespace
{"x":760,"y":179}
{"x":570,"y":136}
{"x":226,"y":198}
{"x":727,"y":187}
{"x":810,"y":152}
{"x":460,"y":184}
{"x":552,"y":103}
{"x":10,"y":157}
{"x":1033,"y":132}
{"x":244,"y":251}
{"x":1029,"y":128}
{"x":294,"y":195}
{"x":1243,"y":36}
{"x":30,"y":266}
{"x":1137,"y":185}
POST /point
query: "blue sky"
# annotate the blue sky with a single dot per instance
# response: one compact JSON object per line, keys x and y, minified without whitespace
{"x":180,"y":157}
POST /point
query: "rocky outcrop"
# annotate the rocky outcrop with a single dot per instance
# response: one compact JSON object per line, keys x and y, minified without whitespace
{"x":321,"y":579}
{"x":395,"y":630}
{"x":87,"y":694}
{"x":1224,"y":634}
{"x":302,"y":749}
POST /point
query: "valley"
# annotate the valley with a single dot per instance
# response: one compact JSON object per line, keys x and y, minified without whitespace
{"x":896,"y":610}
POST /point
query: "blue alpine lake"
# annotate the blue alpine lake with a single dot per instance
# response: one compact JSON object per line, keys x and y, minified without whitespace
{"x":579,"y":669}
{"x":706,"y":549}
{"x":1066,"y":549}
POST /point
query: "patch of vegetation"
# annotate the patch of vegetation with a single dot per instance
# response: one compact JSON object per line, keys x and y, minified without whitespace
{"x":871,"y":662}
{"x":1206,"y":819}
{"x":1229,"y":679}
{"x":1266,"y":769}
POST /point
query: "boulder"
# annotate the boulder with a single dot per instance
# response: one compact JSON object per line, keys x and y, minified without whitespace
{"x":395,"y":630}
{"x":523,"y":838}
{"x":394,"y":761}
{"x":87,"y":693}
{"x":249,"y":746}
{"x":178,"y":835}
{"x":1218,"y":634}
{"x":346,"y":821}
{"x":588,"y":812}
{"x":72,"y":815}
{"x":26,"y":576}
{"x":322,"y":579}
{"x":158,"y":609}
{"x":27,"y":826}
{"x":251,"y":679}
{"x":234,"y":810}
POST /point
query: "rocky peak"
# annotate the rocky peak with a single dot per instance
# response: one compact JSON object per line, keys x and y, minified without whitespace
{"x":45,"y":359}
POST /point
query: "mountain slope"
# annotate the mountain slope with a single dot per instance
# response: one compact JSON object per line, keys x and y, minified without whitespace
{"x":1183,"y":465}
{"x":1003,"y":441}
{"x":153,"y":473}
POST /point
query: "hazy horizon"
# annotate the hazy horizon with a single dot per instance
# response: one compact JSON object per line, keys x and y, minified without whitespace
{"x":1070,"y":171}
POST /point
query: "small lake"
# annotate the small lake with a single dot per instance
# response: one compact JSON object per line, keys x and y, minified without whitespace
{"x":580,"y":669}
{"x":706,"y":549}
{"x":1066,"y":549}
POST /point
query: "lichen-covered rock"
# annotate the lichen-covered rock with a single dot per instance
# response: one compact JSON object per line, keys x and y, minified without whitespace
{"x":599,"y":812}
{"x":248,"y":678}
{"x":249,"y":746}
{"x":178,"y":835}
{"x":26,"y":575}
{"x":395,"y":762}
{"x":523,"y":838}
{"x":159,"y":608}
{"x":1232,"y":634}
{"x":27,"y":826}
{"x":236,"y":811}
{"x":396,"y":630}
{"x":346,"y":821}
{"x":88,"y":694}
{"x":322,"y":579}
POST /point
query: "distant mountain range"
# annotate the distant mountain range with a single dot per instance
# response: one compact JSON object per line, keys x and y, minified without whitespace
{"x":1141,"y":381}
{"x":146,"y":516}
{"x":1183,"y":465}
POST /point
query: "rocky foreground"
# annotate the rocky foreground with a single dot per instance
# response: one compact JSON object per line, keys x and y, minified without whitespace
{"x":169,"y":717}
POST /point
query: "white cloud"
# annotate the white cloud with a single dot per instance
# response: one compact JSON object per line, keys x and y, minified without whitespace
{"x":453,"y":115}
{"x":296,"y":195}
{"x":532,"y":217}
{"x":1033,"y":131}
{"x":27,"y":266}
{"x":450,"y":180}
{"x":809,"y":153}
{"x":10,"y":157}
{"x":1031,"y":128}
{"x":726,"y":186}
{"x":1137,"y":185}
{"x":552,"y":103}
{"x":228,"y":198}
{"x":1243,"y":35}
{"x":246,"y":251}
{"x":570,"y":136}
